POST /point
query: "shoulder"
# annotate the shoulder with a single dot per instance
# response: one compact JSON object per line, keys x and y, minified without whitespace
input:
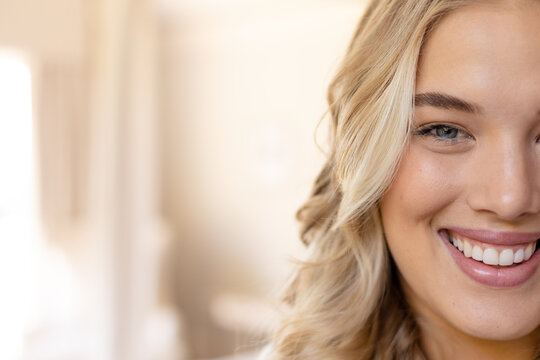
{"x":265,"y":353}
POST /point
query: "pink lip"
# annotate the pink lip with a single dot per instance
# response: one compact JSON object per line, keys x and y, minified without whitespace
{"x":497,"y":238}
{"x":489,"y":275}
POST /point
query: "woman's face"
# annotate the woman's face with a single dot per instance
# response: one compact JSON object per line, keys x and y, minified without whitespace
{"x":471,"y":175}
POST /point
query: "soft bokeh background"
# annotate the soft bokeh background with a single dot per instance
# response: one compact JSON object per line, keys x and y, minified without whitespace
{"x":152,"y":156}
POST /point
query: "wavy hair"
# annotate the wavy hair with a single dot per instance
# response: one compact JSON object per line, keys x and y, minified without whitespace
{"x":345,"y":300}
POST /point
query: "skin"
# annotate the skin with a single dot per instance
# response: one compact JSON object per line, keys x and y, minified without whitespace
{"x":488,"y":177}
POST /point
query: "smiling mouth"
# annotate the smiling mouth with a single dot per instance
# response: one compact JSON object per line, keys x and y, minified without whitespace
{"x":498,"y":256}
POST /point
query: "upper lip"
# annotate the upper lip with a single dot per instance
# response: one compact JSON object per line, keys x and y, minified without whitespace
{"x":497,"y":237}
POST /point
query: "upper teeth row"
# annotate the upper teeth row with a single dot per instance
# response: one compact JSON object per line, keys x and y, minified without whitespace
{"x":491,"y":256}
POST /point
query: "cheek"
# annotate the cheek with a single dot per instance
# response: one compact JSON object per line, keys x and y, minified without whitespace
{"x":430,"y":191}
{"x":425,"y":184}
{"x":426,"y":192}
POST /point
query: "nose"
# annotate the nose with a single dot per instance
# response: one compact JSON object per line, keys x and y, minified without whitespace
{"x":506,"y":182}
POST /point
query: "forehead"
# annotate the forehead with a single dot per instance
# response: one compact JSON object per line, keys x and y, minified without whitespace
{"x":487,"y":52}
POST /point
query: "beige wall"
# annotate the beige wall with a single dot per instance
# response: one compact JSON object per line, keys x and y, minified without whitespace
{"x":243,"y":90}
{"x":240,"y":89}
{"x":52,"y":28}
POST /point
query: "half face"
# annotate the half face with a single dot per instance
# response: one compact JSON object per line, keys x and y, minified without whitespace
{"x":462,"y":217}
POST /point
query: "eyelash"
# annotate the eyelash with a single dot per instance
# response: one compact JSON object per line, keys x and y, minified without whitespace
{"x":429,"y":130}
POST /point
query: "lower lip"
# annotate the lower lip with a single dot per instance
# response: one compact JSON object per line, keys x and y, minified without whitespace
{"x":489,"y":275}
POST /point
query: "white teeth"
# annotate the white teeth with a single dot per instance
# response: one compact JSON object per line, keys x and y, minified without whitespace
{"x":477,"y":253}
{"x":490,"y":256}
{"x":467,"y":249}
{"x":518,"y":256}
{"x":528,"y":252}
{"x":506,"y":257}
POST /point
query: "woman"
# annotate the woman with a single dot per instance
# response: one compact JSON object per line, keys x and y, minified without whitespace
{"x":422,"y":225}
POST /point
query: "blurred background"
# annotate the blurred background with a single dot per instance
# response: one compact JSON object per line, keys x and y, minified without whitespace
{"x":152,"y":156}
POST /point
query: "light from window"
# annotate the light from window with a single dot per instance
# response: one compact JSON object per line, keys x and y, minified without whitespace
{"x":18,"y":240}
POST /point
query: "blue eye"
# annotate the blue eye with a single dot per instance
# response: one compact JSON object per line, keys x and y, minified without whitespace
{"x":446,"y":132}
{"x":441,"y":132}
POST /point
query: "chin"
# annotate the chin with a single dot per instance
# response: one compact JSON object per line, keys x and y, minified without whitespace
{"x":501,"y":320}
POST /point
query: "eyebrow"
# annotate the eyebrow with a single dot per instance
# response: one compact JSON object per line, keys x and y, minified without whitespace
{"x":445,"y":101}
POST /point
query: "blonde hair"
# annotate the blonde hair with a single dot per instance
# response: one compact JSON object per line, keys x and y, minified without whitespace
{"x":345,"y":299}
